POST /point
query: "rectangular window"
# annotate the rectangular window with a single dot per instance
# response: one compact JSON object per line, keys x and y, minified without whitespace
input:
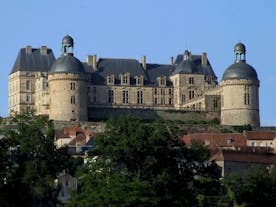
{"x":28,"y":98}
{"x":162,"y":91}
{"x":170,"y":91}
{"x":162,"y":101}
{"x":170,"y":101}
{"x":125,"y":97}
{"x":182,"y":98}
{"x":110,"y":79}
{"x":73,"y":100}
{"x":215,"y":103}
{"x":246,"y":98}
{"x":139,"y":97}
{"x":191,"y":94}
{"x":191,"y":80}
{"x":155,"y":91}
{"x":155,"y":101}
{"x":28,"y":85}
{"x":73,"y":86}
{"x":110,"y":96}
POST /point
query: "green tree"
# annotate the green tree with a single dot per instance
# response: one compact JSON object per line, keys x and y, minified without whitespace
{"x":30,"y":161}
{"x":152,"y":156}
{"x":256,"y":188}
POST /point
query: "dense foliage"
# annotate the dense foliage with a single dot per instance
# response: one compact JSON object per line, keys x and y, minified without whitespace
{"x":29,"y":162}
{"x":137,"y":164}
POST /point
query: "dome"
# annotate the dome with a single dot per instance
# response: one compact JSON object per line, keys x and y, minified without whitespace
{"x":240,"y":47}
{"x":240,"y":70}
{"x":67,"y":40}
{"x":67,"y":64}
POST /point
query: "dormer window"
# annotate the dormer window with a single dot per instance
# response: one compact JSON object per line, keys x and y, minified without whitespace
{"x":110,"y":79}
{"x":125,"y":79}
{"x":162,"y":81}
{"x":139,"y":80}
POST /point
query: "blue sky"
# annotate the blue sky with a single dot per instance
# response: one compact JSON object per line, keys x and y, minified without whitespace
{"x":158,"y":29}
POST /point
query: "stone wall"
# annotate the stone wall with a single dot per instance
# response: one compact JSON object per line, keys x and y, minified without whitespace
{"x":149,"y":114}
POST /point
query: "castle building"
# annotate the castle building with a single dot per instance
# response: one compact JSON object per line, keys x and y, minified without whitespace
{"x":67,"y":89}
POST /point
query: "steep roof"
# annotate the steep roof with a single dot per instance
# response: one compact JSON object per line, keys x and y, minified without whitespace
{"x":107,"y":66}
{"x":33,"y":61}
{"x":193,"y":66}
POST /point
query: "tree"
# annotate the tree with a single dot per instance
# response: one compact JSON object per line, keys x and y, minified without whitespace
{"x":30,"y":161}
{"x":151,"y":156}
{"x":256,"y":188}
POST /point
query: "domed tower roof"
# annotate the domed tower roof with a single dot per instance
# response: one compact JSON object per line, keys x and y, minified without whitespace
{"x":240,"y":69}
{"x":67,"y":63}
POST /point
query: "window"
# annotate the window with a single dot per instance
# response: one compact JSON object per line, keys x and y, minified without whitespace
{"x":182,"y":98}
{"x":110,"y":96}
{"x":191,"y":94}
{"x":73,"y":100}
{"x":155,"y":101}
{"x":139,"y":97}
{"x":28,"y":98}
{"x":155,"y":91}
{"x":199,"y":105}
{"x":215,"y":103}
{"x":170,"y":91}
{"x":139,"y":80}
{"x":110,"y":80}
{"x":162,"y":91}
{"x":191,"y":80}
{"x":162,"y":101}
{"x":170,"y":101}
{"x":246,"y":95}
{"x":125,"y":97}
{"x":125,"y":79}
{"x":73,"y":86}
{"x":162,"y":81}
{"x":28,"y":85}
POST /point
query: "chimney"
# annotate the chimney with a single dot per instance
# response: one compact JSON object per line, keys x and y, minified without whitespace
{"x":29,"y":49}
{"x":92,"y":61}
{"x":144,"y":63}
{"x":43,"y":50}
{"x":204,"y":59}
{"x":172,"y":61}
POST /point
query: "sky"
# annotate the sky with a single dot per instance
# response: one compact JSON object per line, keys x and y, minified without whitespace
{"x":158,"y":29}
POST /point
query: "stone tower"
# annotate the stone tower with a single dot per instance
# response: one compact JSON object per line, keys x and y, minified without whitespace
{"x":68,"y":86}
{"x":240,"y":92}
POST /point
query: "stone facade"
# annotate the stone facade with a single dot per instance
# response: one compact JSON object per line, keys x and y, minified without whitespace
{"x":240,"y":103}
{"x":70,"y":90}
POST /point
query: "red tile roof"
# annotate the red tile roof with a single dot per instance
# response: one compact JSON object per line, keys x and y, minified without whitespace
{"x":252,"y":135}
{"x":221,"y":140}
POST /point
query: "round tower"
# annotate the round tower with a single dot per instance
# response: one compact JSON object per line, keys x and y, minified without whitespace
{"x":240,"y":92}
{"x":68,"y":86}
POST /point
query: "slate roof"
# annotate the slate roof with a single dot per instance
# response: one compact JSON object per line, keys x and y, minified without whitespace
{"x":193,"y":66}
{"x":33,"y":61}
{"x":240,"y":70}
{"x":107,"y":66}
{"x":156,"y":70}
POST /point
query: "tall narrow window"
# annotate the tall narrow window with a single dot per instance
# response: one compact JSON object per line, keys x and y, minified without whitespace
{"x":155,"y":91}
{"x":191,"y":80}
{"x":191,"y":94}
{"x":182,"y":98}
{"x":139,"y":97}
{"x":170,"y":101}
{"x":73,"y":86}
{"x":28,"y":85}
{"x":110,"y":96}
{"x":163,"y":101}
{"x":28,"y":98}
{"x":125,"y":97}
{"x":73,"y":100}
{"x":246,"y":95}
{"x":155,"y":101}
{"x":215,"y":103}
